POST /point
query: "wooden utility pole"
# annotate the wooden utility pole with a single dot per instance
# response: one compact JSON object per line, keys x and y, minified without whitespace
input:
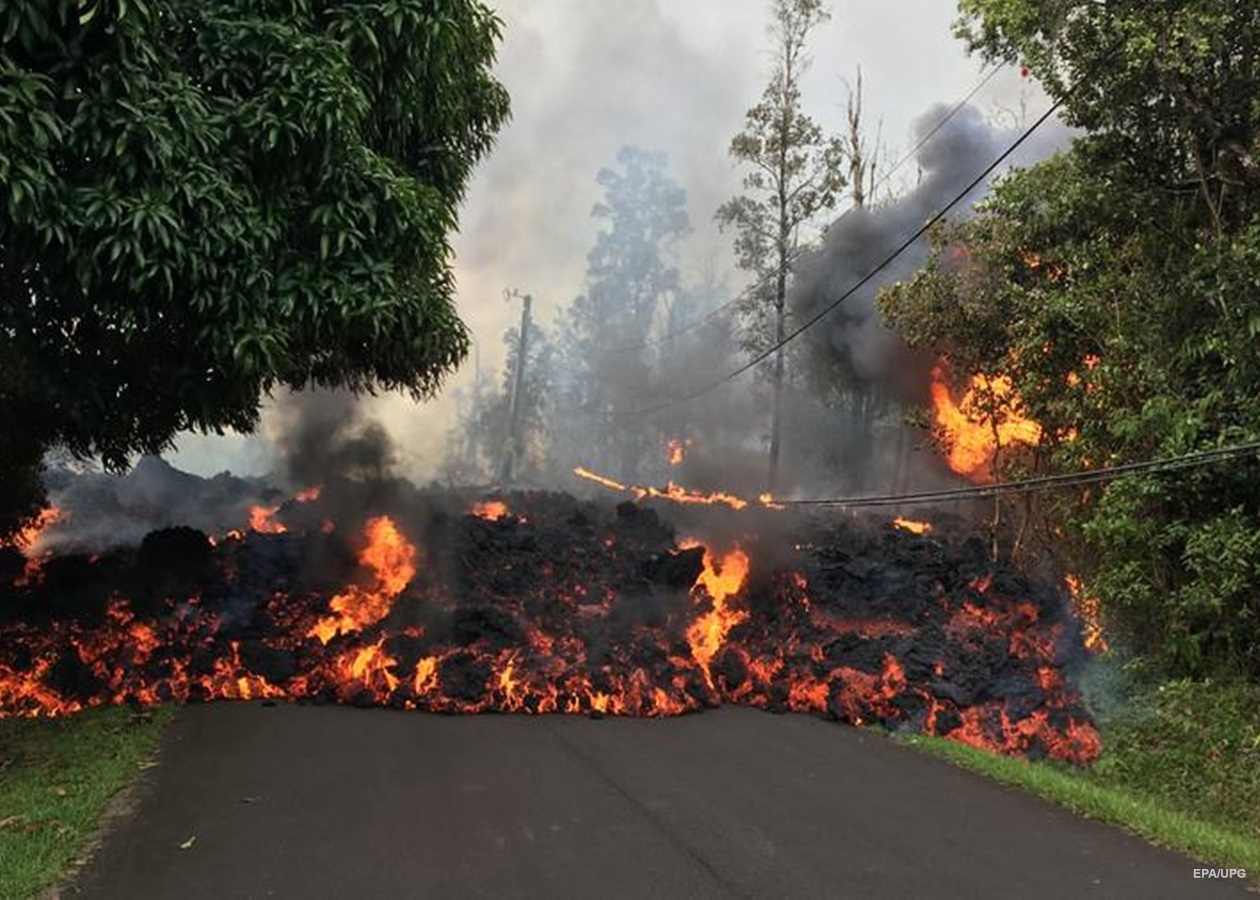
{"x":513,"y":448}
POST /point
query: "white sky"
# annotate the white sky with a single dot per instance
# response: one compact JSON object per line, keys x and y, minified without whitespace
{"x":590,"y":76}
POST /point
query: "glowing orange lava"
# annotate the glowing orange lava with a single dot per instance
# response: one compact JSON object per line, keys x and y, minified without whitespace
{"x":28,"y":539}
{"x":675,"y":493}
{"x":262,"y":519}
{"x":392,"y":558}
{"x":720,"y":580}
{"x":490,"y":509}
{"x":912,"y":526}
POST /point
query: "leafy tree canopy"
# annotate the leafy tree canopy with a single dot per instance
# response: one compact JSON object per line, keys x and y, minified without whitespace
{"x":207,"y":199}
{"x":1117,"y":284}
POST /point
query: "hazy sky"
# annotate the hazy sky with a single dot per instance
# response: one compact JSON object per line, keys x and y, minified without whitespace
{"x":590,"y":76}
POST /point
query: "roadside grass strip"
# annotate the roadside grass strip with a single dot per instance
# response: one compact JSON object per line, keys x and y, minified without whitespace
{"x":57,"y":778}
{"x":1140,"y":815}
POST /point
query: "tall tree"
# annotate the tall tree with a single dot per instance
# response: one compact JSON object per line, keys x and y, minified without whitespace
{"x":861,"y":151}
{"x":795,"y":173}
{"x":204,"y":200}
{"x":630,"y":277}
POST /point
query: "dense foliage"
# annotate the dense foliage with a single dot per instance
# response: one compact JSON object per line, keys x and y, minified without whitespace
{"x":205,"y":199}
{"x":1119,"y":284}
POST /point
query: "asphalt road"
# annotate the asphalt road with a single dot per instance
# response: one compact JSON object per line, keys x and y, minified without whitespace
{"x":318,"y":802}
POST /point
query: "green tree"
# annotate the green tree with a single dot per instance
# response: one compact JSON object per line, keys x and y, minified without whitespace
{"x":631,"y":280}
{"x":1116,"y":284}
{"x":207,"y":200}
{"x":795,"y":174}
{"x":475,"y":450}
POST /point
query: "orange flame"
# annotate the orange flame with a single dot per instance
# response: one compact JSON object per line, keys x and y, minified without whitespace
{"x":309,"y":495}
{"x":393,"y":560}
{"x":1089,"y":611}
{"x":912,"y":526}
{"x":971,"y":437}
{"x":675,"y":493}
{"x":676,"y":450}
{"x":28,"y":539}
{"x":261,"y":520}
{"x":720,"y":581}
{"x":490,"y":509}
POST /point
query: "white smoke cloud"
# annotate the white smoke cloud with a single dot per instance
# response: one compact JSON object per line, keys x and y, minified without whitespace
{"x":587,"y":78}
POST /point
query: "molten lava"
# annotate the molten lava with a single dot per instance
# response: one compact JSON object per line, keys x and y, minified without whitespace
{"x":392,"y":559}
{"x":262,"y":519}
{"x":720,"y":581}
{"x":675,"y":493}
{"x":492,"y":510}
{"x":556,"y":608}
{"x":970,"y":434}
{"x":28,"y":539}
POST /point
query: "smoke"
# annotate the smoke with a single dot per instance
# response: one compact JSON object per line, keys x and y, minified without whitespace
{"x":854,"y":338}
{"x":323,"y":434}
{"x":587,"y":79}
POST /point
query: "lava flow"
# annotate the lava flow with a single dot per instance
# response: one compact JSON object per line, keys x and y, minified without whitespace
{"x":559,"y":606}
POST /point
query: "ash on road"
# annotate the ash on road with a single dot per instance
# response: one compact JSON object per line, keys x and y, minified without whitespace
{"x":325,"y":802}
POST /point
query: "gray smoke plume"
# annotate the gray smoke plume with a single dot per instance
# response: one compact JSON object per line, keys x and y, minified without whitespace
{"x":324,"y":434}
{"x":854,"y":338}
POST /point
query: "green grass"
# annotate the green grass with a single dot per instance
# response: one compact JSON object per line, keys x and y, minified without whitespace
{"x":1180,"y":764}
{"x":57,"y":777}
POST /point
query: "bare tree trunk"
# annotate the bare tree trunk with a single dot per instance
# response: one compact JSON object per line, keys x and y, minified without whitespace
{"x":776,"y":415}
{"x":513,"y":449}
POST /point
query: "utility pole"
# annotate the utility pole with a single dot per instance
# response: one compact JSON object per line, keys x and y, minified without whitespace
{"x":513,"y":448}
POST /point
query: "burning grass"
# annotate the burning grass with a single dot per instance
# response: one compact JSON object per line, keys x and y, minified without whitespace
{"x":558,"y":607}
{"x":56,"y":779}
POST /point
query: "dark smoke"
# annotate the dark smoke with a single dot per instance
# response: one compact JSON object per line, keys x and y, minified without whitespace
{"x":854,"y":338}
{"x":325,"y":434}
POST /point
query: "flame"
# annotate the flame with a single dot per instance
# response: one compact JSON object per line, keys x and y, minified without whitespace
{"x":261,"y":519}
{"x":581,"y":472}
{"x":676,"y":450}
{"x":392,"y":558}
{"x":675,"y":493}
{"x":490,"y":509}
{"x":1089,"y":611}
{"x":779,"y":642}
{"x":720,"y":581}
{"x":309,"y":495}
{"x":912,"y":526}
{"x":29,"y":539}
{"x":970,"y":436}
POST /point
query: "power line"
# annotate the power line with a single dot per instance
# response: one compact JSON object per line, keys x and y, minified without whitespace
{"x":879,"y":183}
{"x":1048,"y":482}
{"x":813,"y":320}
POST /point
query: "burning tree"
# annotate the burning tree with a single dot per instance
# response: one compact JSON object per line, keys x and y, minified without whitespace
{"x":203,"y":203}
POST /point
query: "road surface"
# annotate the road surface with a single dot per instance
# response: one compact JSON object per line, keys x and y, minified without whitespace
{"x":253,"y":801}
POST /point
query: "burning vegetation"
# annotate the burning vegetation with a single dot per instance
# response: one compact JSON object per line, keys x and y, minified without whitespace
{"x":973,"y":430}
{"x":443,"y":604}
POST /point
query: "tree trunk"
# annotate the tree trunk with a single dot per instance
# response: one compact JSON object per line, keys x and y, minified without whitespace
{"x":776,"y":415}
